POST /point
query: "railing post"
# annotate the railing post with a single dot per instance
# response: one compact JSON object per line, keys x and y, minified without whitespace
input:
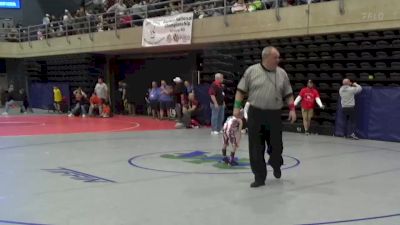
{"x":29,"y":36}
{"x":182,"y":6}
{"x":115,"y":25}
{"x":91,"y":35}
{"x":66,"y":33}
{"x":225,"y":16}
{"x":341,"y":7}
{"x":277,"y":15}
{"x":19,"y":37}
{"x":47,"y":34}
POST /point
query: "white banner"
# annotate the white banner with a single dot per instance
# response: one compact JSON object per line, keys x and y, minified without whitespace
{"x":169,"y":30}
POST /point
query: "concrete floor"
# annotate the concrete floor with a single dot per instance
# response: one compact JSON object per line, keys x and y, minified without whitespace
{"x":147,"y":178}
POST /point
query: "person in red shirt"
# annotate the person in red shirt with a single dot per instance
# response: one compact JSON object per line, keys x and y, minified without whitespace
{"x":95,"y":103}
{"x":308,"y":96}
{"x":191,"y":112}
{"x":106,"y":113}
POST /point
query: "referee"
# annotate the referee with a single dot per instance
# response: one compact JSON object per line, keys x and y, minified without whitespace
{"x":267,"y":86}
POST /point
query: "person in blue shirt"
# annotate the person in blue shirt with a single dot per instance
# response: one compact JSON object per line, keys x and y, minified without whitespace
{"x":189,"y":87}
{"x":166,"y":100}
{"x":153,"y":98}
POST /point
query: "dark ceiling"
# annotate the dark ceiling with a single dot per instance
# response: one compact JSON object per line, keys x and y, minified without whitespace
{"x":57,"y":7}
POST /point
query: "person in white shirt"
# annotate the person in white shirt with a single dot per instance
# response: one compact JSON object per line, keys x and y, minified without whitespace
{"x":347,"y":93}
{"x":117,"y":7}
{"x":239,"y":7}
{"x":101,"y":91}
{"x":46,"y":19}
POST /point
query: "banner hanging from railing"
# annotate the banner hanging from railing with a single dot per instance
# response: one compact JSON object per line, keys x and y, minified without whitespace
{"x":169,"y":30}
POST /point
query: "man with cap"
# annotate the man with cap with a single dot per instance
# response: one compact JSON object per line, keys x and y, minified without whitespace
{"x":267,"y":86}
{"x":179,"y":93}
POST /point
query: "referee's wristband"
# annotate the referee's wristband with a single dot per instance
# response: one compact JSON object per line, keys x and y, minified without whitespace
{"x":237,"y":104}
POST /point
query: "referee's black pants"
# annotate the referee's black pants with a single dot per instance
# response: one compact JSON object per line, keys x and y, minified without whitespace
{"x":263,"y":126}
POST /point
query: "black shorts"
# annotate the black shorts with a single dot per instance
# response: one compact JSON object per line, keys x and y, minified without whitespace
{"x":166,"y":105}
{"x":154,"y":104}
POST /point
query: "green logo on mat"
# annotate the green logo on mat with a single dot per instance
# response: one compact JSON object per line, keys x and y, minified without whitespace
{"x":201,"y":157}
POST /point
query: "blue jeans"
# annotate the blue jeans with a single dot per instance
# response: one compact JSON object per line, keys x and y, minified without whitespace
{"x":217,"y":117}
{"x":81,"y":107}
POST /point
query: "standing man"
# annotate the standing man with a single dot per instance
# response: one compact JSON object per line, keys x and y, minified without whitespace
{"x":101,"y":91}
{"x":217,"y":104}
{"x":179,"y":92}
{"x":165,"y":99}
{"x":153,"y":98}
{"x":267,"y":86}
{"x":308,"y":96}
{"x":347,"y":93}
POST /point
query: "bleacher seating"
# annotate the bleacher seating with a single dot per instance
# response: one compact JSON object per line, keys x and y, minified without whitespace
{"x":370,"y":58}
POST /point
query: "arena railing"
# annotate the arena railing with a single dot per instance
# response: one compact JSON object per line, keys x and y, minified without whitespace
{"x":121,"y":19}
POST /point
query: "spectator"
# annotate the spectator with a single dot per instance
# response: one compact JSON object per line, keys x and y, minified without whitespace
{"x":154,"y":95}
{"x":101,"y":91}
{"x":166,"y":101}
{"x":106,"y":113}
{"x":46,"y":19}
{"x":95,"y":104}
{"x":57,"y":99}
{"x":192,"y":112}
{"x":80,"y":19}
{"x":347,"y":93}
{"x":67,"y":16}
{"x":174,"y":10}
{"x":117,"y":7}
{"x":217,"y":104}
{"x":100,"y":24}
{"x":125,"y":20}
{"x":98,"y":6}
{"x":25,"y":103}
{"x":213,"y":11}
{"x":138,"y":12}
{"x":10,"y":100}
{"x":255,"y":5}
{"x":308,"y":96}
{"x":67,"y":20}
{"x":12,"y":36}
{"x":121,"y":97}
{"x":179,"y":92}
{"x":40,"y":35}
{"x":239,"y":7}
{"x":199,"y":12}
{"x":79,"y":108}
{"x":53,"y":19}
{"x":189,"y":87}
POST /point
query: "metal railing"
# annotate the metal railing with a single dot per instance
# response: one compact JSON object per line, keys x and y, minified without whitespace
{"x":130,"y":17}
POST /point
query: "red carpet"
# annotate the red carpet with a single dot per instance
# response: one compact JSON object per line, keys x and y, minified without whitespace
{"x":42,"y":125}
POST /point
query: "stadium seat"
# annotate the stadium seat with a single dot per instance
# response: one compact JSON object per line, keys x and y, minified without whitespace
{"x":337,"y":76}
{"x":352,"y":55}
{"x":395,"y":65}
{"x":388,"y":34}
{"x":358,"y":36}
{"x":313,"y":55}
{"x":312,"y":76}
{"x":381,"y":55}
{"x":382,"y":44}
{"x":338,"y":56}
{"x":380,"y":76}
